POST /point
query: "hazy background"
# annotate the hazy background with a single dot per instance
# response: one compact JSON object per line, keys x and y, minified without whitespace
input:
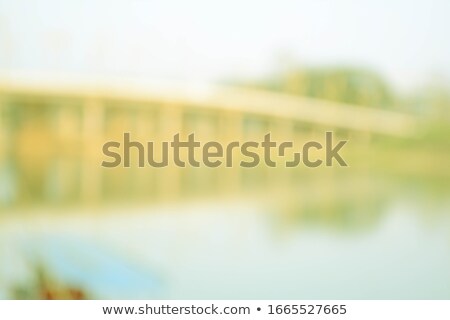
{"x":405,"y":41}
{"x":75,"y":74}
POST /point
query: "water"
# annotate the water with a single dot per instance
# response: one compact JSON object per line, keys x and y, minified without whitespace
{"x":239,"y":250}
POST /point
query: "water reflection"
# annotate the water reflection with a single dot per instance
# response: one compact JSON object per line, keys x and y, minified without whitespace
{"x":238,"y":249}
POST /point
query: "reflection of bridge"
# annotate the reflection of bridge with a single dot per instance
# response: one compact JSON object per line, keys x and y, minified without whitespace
{"x":51,"y":136}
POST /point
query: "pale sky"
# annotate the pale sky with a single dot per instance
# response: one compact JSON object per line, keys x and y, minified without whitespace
{"x":205,"y":41}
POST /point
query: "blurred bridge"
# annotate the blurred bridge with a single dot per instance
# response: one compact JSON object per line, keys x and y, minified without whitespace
{"x":51,"y":137}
